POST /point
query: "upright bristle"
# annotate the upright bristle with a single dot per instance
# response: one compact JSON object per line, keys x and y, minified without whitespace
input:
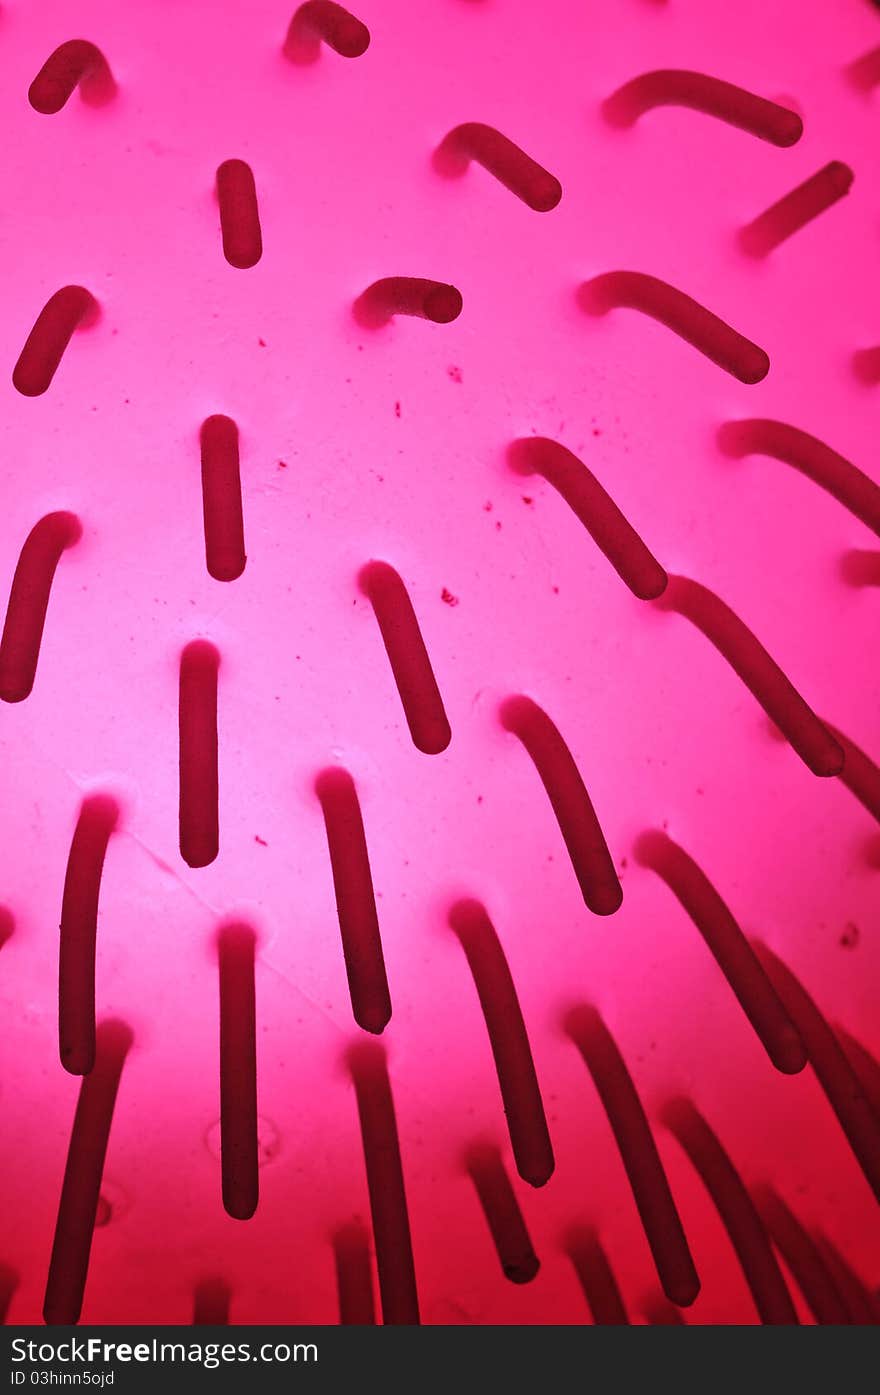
{"x":199,"y":778}
{"x":355,"y":900}
{"x":239,"y":214}
{"x":354,"y":1275}
{"x":733,"y":953}
{"x":833,"y":1071}
{"x":98,"y":817}
{"x":571,"y":803}
{"x":236,"y":948}
{"x":69,"y":1265}
{"x":520,"y":1091}
{"x":802,"y":1255}
{"x":211,"y":1301}
{"x":638,"y":1151}
{"x":391,"y":1233}
{"x":221,"y":499}
{"x":408,"y":657}
{"x":504,"y":1217}
{"x":736,"y":1209}
{"x":596,"y":1277}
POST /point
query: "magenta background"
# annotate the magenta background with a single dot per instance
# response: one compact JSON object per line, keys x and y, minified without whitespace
{"x":120,"y":200}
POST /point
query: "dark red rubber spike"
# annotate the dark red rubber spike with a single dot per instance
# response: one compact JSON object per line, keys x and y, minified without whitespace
{"x":7,"y":925}
{"x":354,"y":1276}
{"x":597,"y":511}
{"x":808,"y":736}
{"x":675,"y":87}
{"x":199,"y":778}
{"x":737,"y":1212}
{"x":520,"y":1092}
{"x":860,"y":774}
{"x":355,"y":900}
{"x":391,"y":1233}
{"x":596,"y":1277}
{"x":864,"y":72}
{"x":833,"y":1071}
{"x":866,"y":365}
{"x":410,"y":665}
{"x":732,"y":951}
{"x":860,"y":568}
{"x":567,"y":793}
{"x":797,"y":208}
{"x":861,"y":1304}
{"x":865,"y":1066}
{"x":839,"y":477}
{"x":511,"y":166}
{"x":98,"y":817}
{"x":236,"y":946}
{"x":678,"y":312}
{"x":75,"y":63}
{"x":221,"y":499}
{"x":638,"y":1151}
{"x":513,"y":1244}
{"x":29,"y":601}
{"x":67,"y":310}
{"x":407,"y":295}
{"x":211,"y":1303}
{"x":69,"y":1265}
{"x":239,"y":214}
{"x":803,"y":1257}
{"x":322,"y":21}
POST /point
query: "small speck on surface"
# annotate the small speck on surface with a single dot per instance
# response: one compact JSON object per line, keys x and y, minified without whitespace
{"x":447,"y":597}
{"x":850,"y":936}
{"x":455,"y":373}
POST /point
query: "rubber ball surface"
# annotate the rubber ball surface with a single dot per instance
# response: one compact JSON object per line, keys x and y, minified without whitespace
{"x":439,"y":681}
